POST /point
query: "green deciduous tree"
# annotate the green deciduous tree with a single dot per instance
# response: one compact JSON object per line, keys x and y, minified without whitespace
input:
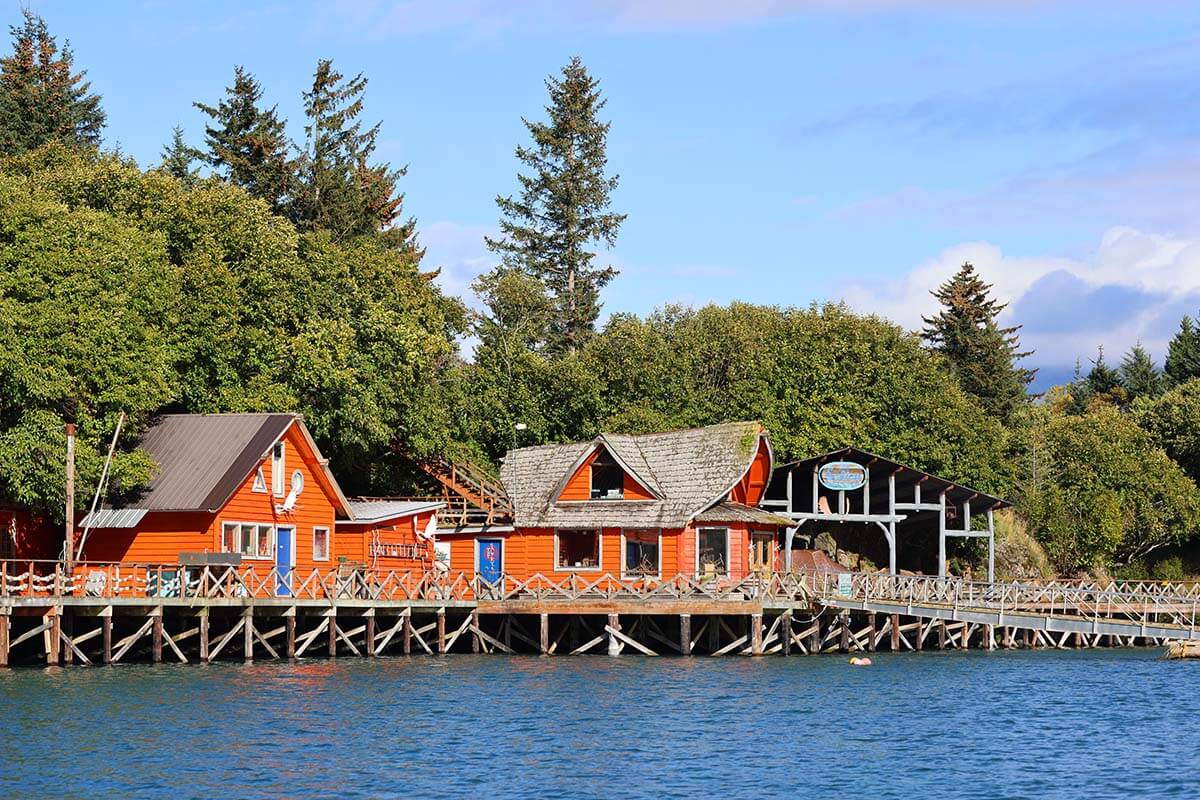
{"x":247,"y":143}
{"x":42,"y":98}
{"x":982,"y":354}
{"x":1139,"y":376}
{"x":1183,"y":353}
{"x":563,"y":211}
{"x":339,"y":188}
{"x":1098,"y":492}
{"x":177,"y":159}
{"x":1173,"y":421}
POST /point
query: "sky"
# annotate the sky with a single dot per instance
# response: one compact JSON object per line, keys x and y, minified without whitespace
{"x":772,"y":151}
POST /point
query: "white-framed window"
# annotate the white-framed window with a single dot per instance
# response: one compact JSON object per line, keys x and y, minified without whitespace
{"x":712,"y":552}
{"x":320,"y":543}
{"x":277,"y":469}
{"x":251,"y":539}
{"x":577,"y":550}
{"x":260,"y":483}
{"x":641,"y":552}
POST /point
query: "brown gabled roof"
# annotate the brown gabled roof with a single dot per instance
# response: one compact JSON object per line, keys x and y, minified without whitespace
{"x":689,"y":471}
{"x":740,"y":512}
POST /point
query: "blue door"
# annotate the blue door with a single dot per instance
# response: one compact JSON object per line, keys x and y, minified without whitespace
{"x":285,"y":557}
{"x":491,"y":557}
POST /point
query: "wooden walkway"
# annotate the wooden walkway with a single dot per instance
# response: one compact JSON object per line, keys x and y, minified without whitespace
{"x":115,"y":613}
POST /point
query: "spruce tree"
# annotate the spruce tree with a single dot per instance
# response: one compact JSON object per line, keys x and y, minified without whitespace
{"x":42,"y":98}
{"x":339,"y":190}
{"x":982,"y":354}
{"x":1183,"y":354}
{"x":563,"y":207}
{"x":1139,"y":376}
{"x":177,"y":159}
{"x":247,"y":144}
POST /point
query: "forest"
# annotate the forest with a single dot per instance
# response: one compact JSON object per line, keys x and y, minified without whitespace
{"x":248,"y":270}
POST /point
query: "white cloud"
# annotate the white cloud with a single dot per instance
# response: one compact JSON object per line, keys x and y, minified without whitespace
{"x":1132,"y":286}
{"x":458,"y":249}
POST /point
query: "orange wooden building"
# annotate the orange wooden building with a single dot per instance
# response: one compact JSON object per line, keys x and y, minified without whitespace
{"x":653,"y":505}
{"x":256,"y":486}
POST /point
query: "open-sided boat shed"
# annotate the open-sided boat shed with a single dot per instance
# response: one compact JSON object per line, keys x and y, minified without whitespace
{"x":852,"y":487}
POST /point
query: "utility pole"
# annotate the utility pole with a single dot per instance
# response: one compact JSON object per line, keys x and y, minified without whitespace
{"x":69,"y":551}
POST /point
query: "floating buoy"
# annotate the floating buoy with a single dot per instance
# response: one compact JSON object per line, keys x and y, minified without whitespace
{"x":855,"y":661}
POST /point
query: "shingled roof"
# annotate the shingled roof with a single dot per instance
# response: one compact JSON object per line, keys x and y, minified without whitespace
{"x":689,"y":471}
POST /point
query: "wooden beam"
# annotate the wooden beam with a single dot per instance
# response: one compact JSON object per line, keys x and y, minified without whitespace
{"x":475,"y":639}
{"x":615,"y":633}
{"x":583,"y":648}
{"x":311,"y":637}
{"x":156,"y":637}
{"x":785,"y":628}
{"x":408,"y":632}
{"x":128,"y":641}
{"x":441,"y":631}
{"x":544,"y":633}
{"x":370,"y":633}
{"x":289,"y":623}
{"x":203,"y":624}
{"x":216,"y":651}
{"x":614,"y":641}
{"x":685,"y":634}
{"x":496,"y":643}
{"x":756,"y":635}
{"x":106,"y":626}
{"x":248,"y":635}
{"x":333,"y":634}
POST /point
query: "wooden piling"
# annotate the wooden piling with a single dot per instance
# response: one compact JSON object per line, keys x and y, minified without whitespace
{"x":4,"y":637}
{"x":54,"y":650}
{"x":895,"y":620}
{"x":203,"y":625}
{"x":106,"y":626}
{"x":919,"y":638}
{"x":544,"y":633}
{"x":333,"y":635}
{"x":68,"y":629}
{"x":248,"y":635}
{"x":408,"y":633}
{"x":814,"y":639}
{"x":756,"y":635}
{"x":441,"y":631}
{"x":871,"y":632}
{"x":941,"y":634}
{"x":785,"y":630}
{"x":475,"y":636}
{"x":614,"y":644}
{"x":289,"y":625}
{"x":156,"y":637}
{"x":370,"y":623}
{"x":685,"y":634}
{"x":844,"y":644}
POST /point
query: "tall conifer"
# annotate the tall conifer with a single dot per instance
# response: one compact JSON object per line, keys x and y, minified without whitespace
{"x":177,"y":159}
{"x":340,"y":189}
{"x":1139,"y":376}
{"x":42,"y":98}
{"x":247,"y":144}
{"x":982,"y":354}
{"x":1183,"y":353}
{"x":562,"y":211}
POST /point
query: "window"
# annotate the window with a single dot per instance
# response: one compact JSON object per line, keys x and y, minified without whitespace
{"x":277,"y":468}
{"x":642,"y":550}
{"x":578,"y":549}
{"x":250,"y":539}
{"x":712,"y":556}
{"x":762,"y":552}
{"x":608,"y":479}
{"x":260,"y":483}
{"x":320,"y":544}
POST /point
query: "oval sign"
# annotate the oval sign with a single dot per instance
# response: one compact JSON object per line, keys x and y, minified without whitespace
{"x":843,"y":476}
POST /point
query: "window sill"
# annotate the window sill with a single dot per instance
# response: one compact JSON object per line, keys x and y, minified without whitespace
{"x":578,"y":569}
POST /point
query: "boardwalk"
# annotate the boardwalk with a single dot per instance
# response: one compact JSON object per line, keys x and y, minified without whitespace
{"x":107,"y":613}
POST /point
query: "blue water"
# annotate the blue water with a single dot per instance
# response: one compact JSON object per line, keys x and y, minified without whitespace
{"x":1080,"y":724}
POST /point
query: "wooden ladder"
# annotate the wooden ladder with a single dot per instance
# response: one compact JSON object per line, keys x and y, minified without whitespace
{"x":469,"y":487}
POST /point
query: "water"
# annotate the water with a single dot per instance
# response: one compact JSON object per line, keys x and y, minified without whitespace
{"x":1090,"y":724}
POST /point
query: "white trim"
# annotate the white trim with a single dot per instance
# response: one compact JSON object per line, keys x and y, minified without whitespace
{"x":728,"y":565}
{"x":658,"y":569}
{"x":503,"y":552}
{"x":271,"y":525}
{"x":328,"y":542}
{"x":279,"y":468}
{"x":260,"y":481}
{"x":279,"y":528}
{"x":770,"y":537}
{"x":599,"y":531}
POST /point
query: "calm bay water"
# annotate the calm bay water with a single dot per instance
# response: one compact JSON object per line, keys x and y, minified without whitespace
{"x":1090,"y":724}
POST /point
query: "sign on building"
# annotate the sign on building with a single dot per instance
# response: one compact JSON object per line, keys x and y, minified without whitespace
{"x":842,"y":476}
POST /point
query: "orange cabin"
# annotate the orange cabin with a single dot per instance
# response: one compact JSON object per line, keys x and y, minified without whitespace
{"x":254,"y":486}
{"x":654,"y":505}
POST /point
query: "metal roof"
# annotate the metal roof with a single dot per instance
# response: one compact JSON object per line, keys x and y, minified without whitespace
{"x":376,"y":510}
{"x":203,"y":458}
{"x":114,"y":518}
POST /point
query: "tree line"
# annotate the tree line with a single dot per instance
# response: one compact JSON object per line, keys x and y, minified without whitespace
{"x":257,"y":273}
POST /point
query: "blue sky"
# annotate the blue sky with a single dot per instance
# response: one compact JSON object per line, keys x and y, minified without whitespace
{"x":769,"y":150}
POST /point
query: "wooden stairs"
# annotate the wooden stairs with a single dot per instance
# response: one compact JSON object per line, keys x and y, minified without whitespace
{"x":472,"y":494}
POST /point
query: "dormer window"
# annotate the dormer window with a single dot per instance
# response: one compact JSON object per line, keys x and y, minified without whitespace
{"x":608,"y":479}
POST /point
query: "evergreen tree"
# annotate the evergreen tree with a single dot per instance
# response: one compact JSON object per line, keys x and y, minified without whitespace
{"x":1102,"y":380}
{"x":42,"y":98}
{"x":339,"y":189}
{"x":1183,"y":354}
{"x":177,"y":159}
{"x":1139,"y":376}
{"x":981,"y":354}
{"x":563,"y":207}
{"x":247,"y":144}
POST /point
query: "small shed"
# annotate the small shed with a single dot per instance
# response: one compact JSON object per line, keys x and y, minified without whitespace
{"x":854,"y":487}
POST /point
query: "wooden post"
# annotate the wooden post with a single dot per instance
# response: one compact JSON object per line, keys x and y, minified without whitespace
{"x":408,"y":633}
{"x":475,"y":636}
{"x":203,"y":625}
{"x":54,"y":650}
{"x":685,"y":634}
{"x":106,"y":634}
{"x":871,"y":631}
{"x":68,"y":627}
{"x":614,"y":644}
{"x":895,"y":633}
{"x":544,"y":633}
{"x":333,"y":634}
{"x":4,"y":620}
{"x":156,"y":636}
{"x":814,"y":639}
{"x":844,"y":644}
{"x":918,"y":643}
{"x":714,"y":634}
{"x":441,"y":631}
{"x":370,"y":633}
{"x":941,"y":634}
{"x":248,"y":635}
{"x":69,"y":523}
{"x":785,"y":631}
{"x":756,"y":635}
{"x":289,"y":624}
